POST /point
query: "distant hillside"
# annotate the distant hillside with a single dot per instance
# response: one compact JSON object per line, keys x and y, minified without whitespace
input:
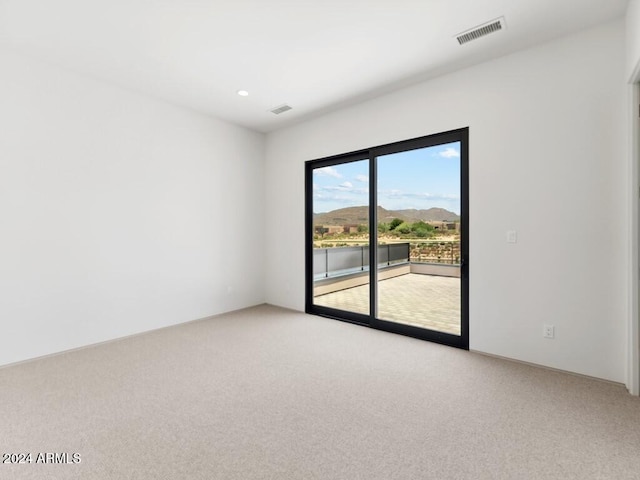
{"x":360,"y":215}
{"x":433,"y":214}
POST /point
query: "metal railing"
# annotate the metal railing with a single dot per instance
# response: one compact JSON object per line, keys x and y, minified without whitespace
{"x":337,"y":261}
{"x":332,"y":262}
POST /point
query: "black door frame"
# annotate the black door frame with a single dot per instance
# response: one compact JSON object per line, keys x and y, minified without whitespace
{"x":371,"y":154}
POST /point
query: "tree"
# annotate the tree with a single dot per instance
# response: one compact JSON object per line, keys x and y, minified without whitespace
{"x":394,"y":223}
{"x":422,"y":233}
{"x":320,"y":230}
{"x":363,"y":228}
{"x":404,"y":228}
{"x":419,"y":225}
{"x":422,"y":229}
{"x":383,"y":228}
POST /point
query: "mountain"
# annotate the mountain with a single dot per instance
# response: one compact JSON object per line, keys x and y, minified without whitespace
{"x":345,"y":216}
{"x":430,"y":214}
{"x":360,"y":215}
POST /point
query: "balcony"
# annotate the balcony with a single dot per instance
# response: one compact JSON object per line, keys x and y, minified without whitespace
{"x":413,"y":289}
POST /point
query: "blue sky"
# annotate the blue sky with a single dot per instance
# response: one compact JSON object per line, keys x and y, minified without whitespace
{"x":423,"y":178}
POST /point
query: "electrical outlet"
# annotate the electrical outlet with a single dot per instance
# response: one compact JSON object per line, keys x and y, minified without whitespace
{"x":548,"y":331}
{"x":512,"y":236}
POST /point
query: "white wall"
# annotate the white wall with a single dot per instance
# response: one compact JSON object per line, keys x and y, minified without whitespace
{"x":633,"y":40}
{"x":547,"y":158}
{"x":633,"y":76}
{"x":118,"y":213}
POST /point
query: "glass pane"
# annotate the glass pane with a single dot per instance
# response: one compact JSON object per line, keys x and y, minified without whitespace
{"x":341,"y":236}
{"x":419,"y":238}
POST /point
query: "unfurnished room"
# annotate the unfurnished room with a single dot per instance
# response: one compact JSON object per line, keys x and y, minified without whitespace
{"x":366,"y":239}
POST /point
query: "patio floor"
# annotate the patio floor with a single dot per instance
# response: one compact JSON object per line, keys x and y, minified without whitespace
{"x":425,"y":301}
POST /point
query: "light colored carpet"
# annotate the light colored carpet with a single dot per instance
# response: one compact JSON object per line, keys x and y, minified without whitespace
{"x":266,"y":393}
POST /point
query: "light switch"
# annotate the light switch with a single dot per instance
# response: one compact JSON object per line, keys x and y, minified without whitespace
{"x":512,"y":236}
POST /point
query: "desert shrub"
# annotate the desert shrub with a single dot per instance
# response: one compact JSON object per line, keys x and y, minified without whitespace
{"x":403,"y":228}
{"x":395,"y":223}
{"x":422,"y":233}
{"x":420,"y":225}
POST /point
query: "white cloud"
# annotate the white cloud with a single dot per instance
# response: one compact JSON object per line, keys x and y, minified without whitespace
{"x":332,"y":197}
{"x":327,"y":172}
{"x":344,"y":187}
{"x":450,"y":153}
{"x":362,"y":178}
{"x":398,"y":200}
{"x":397,"y":194}
{"x":335,"y":198}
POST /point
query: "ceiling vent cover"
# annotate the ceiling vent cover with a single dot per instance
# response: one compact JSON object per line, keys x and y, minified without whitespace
{"x":281,"y":109}
{"x":481,"y":30}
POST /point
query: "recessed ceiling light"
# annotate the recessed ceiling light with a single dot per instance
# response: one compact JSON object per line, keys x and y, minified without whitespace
{"x":243,"y":93}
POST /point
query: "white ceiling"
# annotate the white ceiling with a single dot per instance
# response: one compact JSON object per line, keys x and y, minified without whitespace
{"x":315,"y":55}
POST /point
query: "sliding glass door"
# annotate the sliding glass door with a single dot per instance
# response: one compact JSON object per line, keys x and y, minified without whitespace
{"x":419,"y":230}
{"x":340,"y":237}
{"x":416,"y":236}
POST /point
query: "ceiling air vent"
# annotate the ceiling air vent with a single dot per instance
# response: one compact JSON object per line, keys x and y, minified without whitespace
{"x":281,"y":109}
{"x":481,"y":30}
